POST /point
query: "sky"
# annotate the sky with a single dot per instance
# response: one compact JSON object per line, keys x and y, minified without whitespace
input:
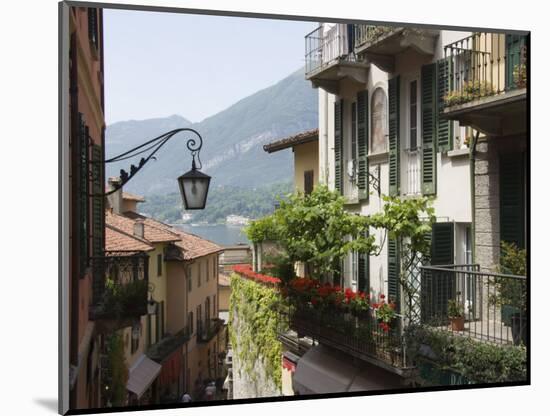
{"x":160,"y":64}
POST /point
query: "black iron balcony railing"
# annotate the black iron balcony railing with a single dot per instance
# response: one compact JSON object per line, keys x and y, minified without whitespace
{"x":484,"y":65}
{"x":208,"y":330}
{"x":362,"y":337}
{"x":326,"y":46}
{"x":366,"y":34}
{"x":488,"y":307}
{"x":120,"y":285}
{"x":166,"y":346}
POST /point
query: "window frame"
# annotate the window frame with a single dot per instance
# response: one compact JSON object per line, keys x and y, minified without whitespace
{"x":417,"y":107}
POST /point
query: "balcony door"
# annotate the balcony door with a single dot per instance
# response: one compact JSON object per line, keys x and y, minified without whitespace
{"x":412,"y":159}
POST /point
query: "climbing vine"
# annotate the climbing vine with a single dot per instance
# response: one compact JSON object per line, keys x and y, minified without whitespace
{"x":254,"y":322}
{"x":116,"y":375}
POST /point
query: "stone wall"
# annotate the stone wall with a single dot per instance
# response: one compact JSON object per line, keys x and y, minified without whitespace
{"x":486,"y":193}
{"x":257,"y":353}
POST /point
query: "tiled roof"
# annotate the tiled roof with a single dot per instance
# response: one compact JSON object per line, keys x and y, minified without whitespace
{"x":300,"y":138}
{"x":190,"y":245}
{"x":131,"y":197}
{"x":153,"y":234}
{"x":117,"y":240}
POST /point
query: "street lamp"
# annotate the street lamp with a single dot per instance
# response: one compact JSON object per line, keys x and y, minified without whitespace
{"x":193,"y":185}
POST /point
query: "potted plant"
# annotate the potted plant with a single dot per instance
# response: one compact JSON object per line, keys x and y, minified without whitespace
{"x":455,"y":311}
{"x":511,"y":291}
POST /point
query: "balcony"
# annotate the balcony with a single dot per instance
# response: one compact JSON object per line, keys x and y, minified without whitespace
{"x":166,"y":346}
{"x":120,"y":287}
{"x":359,"y":337}
{"x":486,"y":83}
{"x":380,"y":44}
{"x":484,"y":306}
{"x":207,"y":331}
{"x":329,"y":58}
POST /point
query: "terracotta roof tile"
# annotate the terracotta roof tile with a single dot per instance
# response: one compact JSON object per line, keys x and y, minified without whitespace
{"x":191,"y":246}
{"x":117,"y":240}
{"x":300,"y":138}
{"x":154,"y":234}
{"x":132,"y":197}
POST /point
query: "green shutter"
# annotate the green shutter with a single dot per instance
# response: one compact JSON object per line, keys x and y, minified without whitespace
{"x":513,"y":58}
{"x":428,"y":129}
{"x":98,"y":210}
{"x":442,"y":251}
{"x":444,"y":127}
{"x":362,"y":144}
{"x":393,"y":136}
{"x":439,"y":287}
{"x":393,"y":271}
{"x":512,"y":197}
{"x":363,"y":277}
{"x":338,"y":145}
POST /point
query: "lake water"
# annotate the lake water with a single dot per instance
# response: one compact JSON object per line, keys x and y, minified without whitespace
{"x":222,"y":234}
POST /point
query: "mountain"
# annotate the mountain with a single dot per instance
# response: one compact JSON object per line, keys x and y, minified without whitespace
{"x":232,"y":151}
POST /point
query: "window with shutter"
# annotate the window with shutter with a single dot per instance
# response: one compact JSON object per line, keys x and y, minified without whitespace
{"x":308,"y":182}
{"x":98,"y":210}
{"x":393,"y":272}
{"x":438,"y":287}
{"x":363,"y":271}
{"x":514,"y":50}
{"x":428,"y":129}
{"x":83,"y":192}
{"x":338,"y":145}
{"x":512,"y":199}
{"x":162,"y":319}
{"x":393,"y":135}
{"x":362,"y":144}
{"x":444,"y":127}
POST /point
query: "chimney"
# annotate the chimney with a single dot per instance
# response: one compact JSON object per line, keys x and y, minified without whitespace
{"x":115,"y":199}
{"x":139,"y":228}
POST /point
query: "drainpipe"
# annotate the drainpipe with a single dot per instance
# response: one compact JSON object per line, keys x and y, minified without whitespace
{"x":472,"y":192}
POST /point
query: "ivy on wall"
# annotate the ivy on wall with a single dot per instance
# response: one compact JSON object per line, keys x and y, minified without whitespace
{"x":254,"y":322}
{"x":479,"y":362}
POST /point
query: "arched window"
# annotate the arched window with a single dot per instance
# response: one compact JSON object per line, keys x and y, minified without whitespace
{"x":379,"y":122}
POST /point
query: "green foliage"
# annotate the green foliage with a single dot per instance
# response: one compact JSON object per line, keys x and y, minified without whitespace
{"x":222,"y":201}
{"x":511,"y":291}
{"x":408,"y":220}
{"x":280,"y":266}
{"x":121,"y":299}
{"x":254,"y":322}
{"x":116,"y":375}
{"x":314,"y":229}
{"x":477,"y":361}
{"x":471,"y":90}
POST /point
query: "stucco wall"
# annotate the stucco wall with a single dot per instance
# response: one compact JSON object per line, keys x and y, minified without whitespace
{"x":306,"y":157}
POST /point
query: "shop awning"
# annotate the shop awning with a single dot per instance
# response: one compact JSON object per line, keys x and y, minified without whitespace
{"x":323,"y":370}
{"x":142,"y":374}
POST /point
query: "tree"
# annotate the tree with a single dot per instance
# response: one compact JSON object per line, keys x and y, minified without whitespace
{"x":314,"y":229}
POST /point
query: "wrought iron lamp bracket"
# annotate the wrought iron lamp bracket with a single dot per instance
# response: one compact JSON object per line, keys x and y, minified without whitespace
{"x":194,"y":145}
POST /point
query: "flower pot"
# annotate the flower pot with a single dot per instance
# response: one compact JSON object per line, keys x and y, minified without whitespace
{"x":457,"y":323}
{"x":519,"y":328}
